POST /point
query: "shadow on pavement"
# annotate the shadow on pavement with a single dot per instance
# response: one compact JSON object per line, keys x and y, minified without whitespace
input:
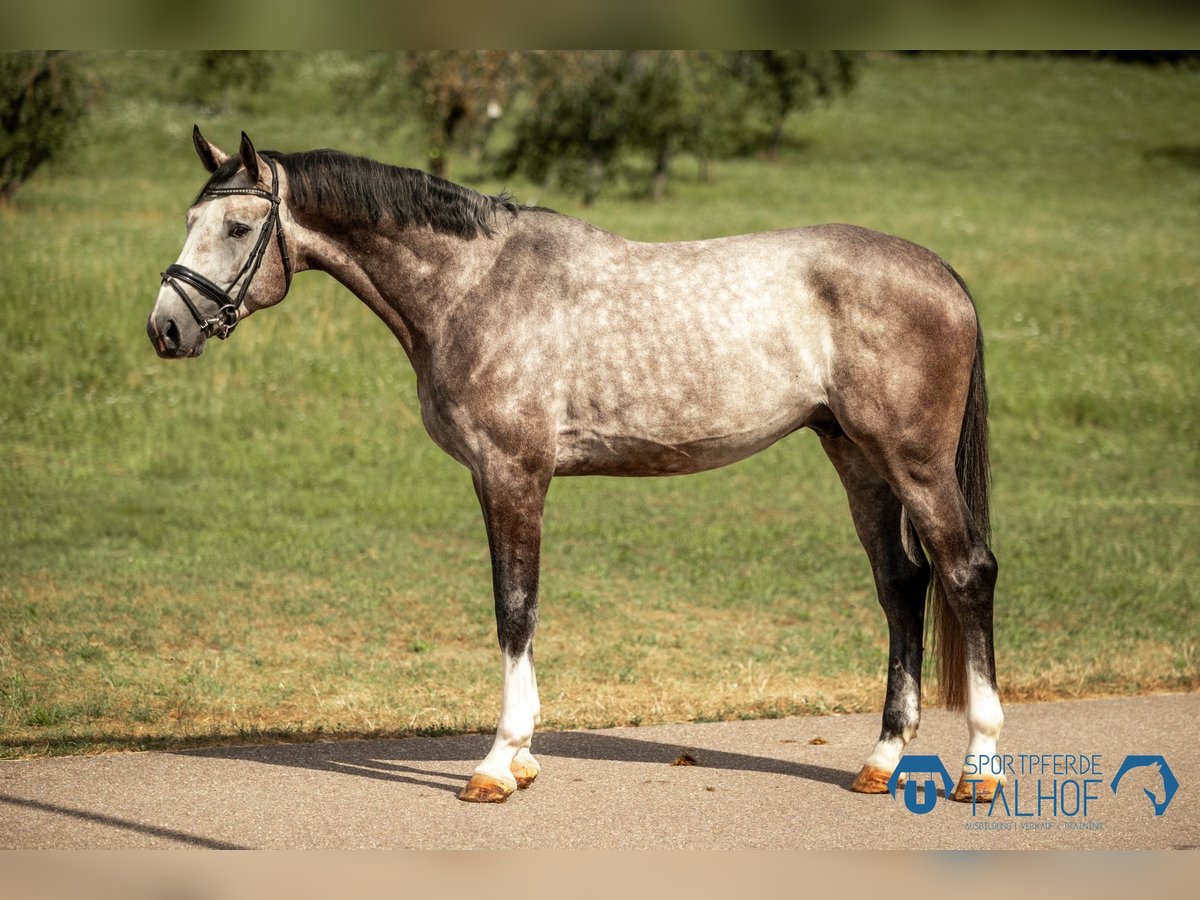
{"x":389,"y":760}
{"x":125,"y":824}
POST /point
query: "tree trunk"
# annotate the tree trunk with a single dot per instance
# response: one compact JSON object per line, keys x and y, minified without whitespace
{"x":776,"y":138}
{"x":437,"y":162}
{"x":595,"y":176}
{"x":662,"y":163}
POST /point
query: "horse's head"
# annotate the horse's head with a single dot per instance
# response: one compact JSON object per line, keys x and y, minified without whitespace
{"x":234,"y":259}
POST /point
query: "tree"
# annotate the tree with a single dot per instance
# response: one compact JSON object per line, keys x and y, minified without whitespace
{"x":221,"y":78}
{"x":685,"y":101}
{"x":724,"y":107}
{"x":457,"y":95}
{"x":785,"y":81}
{"x":573,"y":120}
{"x":41,"y":100}
{"x":583,"y":112}
{"x":664,"y":109}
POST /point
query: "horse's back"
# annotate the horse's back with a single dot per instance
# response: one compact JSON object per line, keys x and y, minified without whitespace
{"x":679,"y":357}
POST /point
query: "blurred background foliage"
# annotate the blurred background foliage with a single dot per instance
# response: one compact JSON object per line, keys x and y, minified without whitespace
{"x":42,"y":98}
{"x":576,"y":119}
{"x":573,"y":118}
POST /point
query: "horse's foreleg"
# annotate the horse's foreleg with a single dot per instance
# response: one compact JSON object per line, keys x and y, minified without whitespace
{"x":512,"y":504}
{"x":901,"y":583}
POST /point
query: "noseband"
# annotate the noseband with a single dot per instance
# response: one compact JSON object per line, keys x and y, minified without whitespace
{"x":229,"y":309}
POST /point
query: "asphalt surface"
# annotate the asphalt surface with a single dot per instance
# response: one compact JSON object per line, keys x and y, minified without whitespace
{"x":760,"y":784}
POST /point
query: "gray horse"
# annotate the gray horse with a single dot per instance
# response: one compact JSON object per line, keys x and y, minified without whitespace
{"x":545,"y":346}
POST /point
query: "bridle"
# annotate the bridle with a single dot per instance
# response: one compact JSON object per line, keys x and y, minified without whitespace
{"x":228,"y":309}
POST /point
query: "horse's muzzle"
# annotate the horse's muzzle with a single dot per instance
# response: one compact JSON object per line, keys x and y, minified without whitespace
{"x":164,"y":334}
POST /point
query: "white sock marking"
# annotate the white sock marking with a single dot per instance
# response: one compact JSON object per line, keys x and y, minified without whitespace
{"x":520,"y":711}
{"x":984,"y":721}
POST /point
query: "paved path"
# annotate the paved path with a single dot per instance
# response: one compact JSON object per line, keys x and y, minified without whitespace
{"x":758,"y":784}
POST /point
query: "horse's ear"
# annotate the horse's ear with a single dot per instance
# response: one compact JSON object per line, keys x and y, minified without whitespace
{"x":210,"y":154}
{"x":249,"y":158}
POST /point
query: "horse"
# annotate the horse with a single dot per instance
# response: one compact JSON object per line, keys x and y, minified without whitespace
{"x":546,"y":346}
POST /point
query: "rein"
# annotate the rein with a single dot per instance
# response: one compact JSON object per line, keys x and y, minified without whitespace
{"x":229,"y":309}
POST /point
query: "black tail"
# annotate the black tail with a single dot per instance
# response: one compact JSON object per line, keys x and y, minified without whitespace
{"x":974,"y":480}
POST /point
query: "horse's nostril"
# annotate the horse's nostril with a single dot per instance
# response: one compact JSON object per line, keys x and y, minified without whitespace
{"x":171,"y":335}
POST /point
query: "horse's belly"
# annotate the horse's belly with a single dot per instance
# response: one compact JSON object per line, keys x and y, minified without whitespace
{"x":637,"y":441}
{"x":633,"y":456}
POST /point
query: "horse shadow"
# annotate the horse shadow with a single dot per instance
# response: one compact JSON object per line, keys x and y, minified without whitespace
{"x":414,"y":760}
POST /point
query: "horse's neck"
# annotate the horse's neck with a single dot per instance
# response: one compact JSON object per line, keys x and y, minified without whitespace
{"x":410,"y":280}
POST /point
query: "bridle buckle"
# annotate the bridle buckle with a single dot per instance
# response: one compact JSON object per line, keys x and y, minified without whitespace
{"x":225,"y":321}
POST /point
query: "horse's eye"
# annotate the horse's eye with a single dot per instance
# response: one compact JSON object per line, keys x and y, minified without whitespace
{"x":238,"y":231}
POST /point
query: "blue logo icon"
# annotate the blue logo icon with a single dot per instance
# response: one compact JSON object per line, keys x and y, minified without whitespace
{"x":1170,"y":783}
{"x":930,"y":765}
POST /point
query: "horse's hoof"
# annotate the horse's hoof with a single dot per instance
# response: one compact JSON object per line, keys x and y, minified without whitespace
{"x":871,"y":780}
{"x":984,"y":789}
{"x":524,"y":773}
{"x":485,"y":789}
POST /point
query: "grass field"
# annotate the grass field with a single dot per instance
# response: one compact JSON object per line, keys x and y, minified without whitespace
{"x":264,"y":542}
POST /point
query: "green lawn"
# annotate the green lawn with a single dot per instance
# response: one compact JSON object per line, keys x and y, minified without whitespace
{"x":265,"y":542}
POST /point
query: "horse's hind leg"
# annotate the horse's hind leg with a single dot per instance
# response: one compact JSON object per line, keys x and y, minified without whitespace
{"x":512,"y":502}
{"x":901,"y":583}
{"x":966,"y":570}
{"x":911,"y":394}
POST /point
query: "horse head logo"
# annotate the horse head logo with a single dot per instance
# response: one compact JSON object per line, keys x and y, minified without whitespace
{"x":931,"y":765}
{"x":1170,"y":783}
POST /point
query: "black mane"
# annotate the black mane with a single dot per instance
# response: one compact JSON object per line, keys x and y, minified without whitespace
{"x":352,"y":190}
